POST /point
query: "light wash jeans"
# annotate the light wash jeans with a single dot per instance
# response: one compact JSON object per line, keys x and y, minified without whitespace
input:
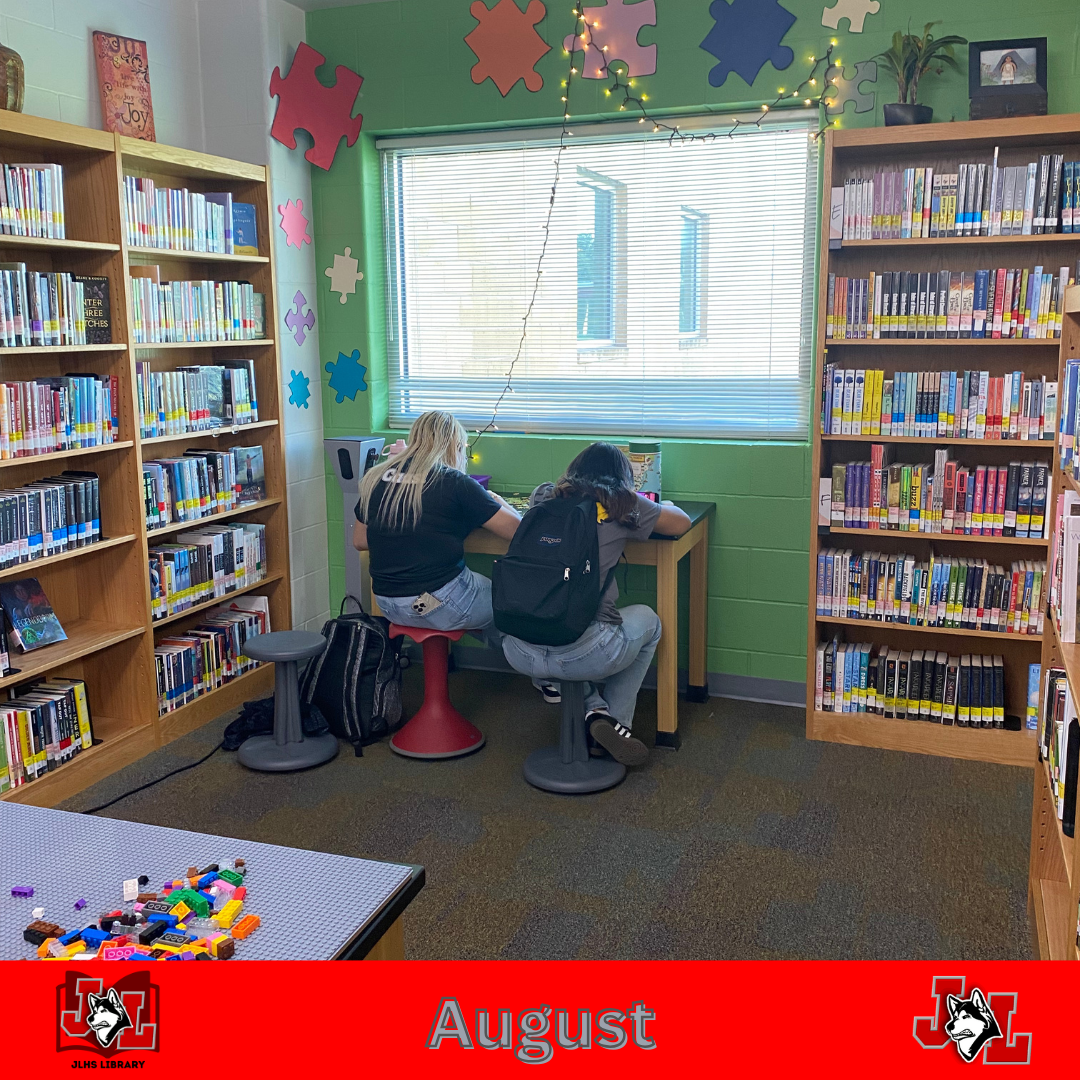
{"x":466,"y":605}
{"x":616,"y":655}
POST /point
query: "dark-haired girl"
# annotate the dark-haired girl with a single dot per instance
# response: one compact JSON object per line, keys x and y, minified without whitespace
{"x":619,"y":644}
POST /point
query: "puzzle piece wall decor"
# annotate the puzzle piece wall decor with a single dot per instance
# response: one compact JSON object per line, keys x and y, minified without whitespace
{"x":506,"y":45}
{"x":746,"y":35}
{"x":297,"y":321}
{"x":347,"y":375}
{"x":344,"y":274}
{"x":615,"y":30}
{"x":298,"y":390}
{"x":323,"y":111}
{"x":294,"y":224}
{"x":855,"y":11}
{"x":847,"y":90}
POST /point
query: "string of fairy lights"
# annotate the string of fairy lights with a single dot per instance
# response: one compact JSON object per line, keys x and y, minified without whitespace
{"x":823,"y":75}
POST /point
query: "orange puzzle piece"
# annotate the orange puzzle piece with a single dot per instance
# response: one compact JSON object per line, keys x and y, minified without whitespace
{"x":507,"y":45}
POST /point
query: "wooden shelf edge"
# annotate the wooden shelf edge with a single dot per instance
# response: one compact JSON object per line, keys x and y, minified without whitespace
{"x":203,"y":709}
{"x":1022,"y":445}
{"x":145,"y":346}
{"x":180,"y":526}
{"x":31,"y":568}
{"x":213,"y":433}
{"x":85,"y":637}
{"x":64,"y":244}
{"x":206,"y":605}
{"x":151,"y":155}
{"x":991,"y":635}
{"x":40,"y":350}
{"x":919,"y":737}
{"x":59,"y":455}
{"x":1055,"y":919}
{"x":86,"y":769}
{"x":950,"y":538}
{"x":936,"y":342}
{"x":961,"y":241}
{"x":137,"y":253}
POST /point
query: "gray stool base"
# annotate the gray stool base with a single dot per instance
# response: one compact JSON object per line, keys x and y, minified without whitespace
{"x":567,"y":769}
{"x":263,"y":753}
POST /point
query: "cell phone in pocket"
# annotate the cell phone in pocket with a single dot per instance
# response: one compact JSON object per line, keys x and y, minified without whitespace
{"x":425,"y":603}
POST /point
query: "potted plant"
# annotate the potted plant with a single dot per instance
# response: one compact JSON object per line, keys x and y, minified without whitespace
{"x":909,"y":59}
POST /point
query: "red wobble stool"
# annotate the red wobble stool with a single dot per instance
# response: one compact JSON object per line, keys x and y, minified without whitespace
{"x":437,"y":730}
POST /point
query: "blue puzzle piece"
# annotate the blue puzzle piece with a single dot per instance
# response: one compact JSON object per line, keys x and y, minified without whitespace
{"x":347,"y":375}
{"x":746,"y":35}
{"x":298,"y":390}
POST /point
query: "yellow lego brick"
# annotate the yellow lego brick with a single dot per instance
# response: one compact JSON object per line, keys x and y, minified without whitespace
{"x":228,"y":914}
{"x":181,"y":911}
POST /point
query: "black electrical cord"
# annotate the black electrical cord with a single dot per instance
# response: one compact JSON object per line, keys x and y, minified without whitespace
{"x":151,"y":783}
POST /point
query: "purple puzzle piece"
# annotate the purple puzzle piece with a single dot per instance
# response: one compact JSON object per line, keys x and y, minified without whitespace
{"x":298,"y":322}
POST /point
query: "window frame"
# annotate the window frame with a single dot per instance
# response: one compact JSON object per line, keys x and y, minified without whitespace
{"x":699,"y":334}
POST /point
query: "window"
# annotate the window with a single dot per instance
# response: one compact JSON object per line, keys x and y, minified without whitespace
{"x":676,"y":297}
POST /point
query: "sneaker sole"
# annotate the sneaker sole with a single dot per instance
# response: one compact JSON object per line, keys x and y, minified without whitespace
{"x":625,"y":751}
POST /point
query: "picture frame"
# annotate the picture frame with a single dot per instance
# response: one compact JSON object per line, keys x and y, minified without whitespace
{"x":1007,"y":78}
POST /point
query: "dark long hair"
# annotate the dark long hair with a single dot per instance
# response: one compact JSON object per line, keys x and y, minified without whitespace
{"x":602,"y":472}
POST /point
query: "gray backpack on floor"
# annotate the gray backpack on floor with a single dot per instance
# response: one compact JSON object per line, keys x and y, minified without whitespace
{"x":356,"y":681}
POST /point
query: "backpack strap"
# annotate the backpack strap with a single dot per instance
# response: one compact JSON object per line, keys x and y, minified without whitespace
{"x":348,"y":597}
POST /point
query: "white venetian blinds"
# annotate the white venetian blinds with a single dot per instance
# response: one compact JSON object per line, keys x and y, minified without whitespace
{"x":677,"y":289}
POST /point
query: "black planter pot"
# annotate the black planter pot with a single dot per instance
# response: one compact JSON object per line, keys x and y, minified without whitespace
{"x":895,"y":114}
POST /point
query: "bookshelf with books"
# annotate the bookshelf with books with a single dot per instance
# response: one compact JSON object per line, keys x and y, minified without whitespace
{"x":72,"y":408}
{"x":1054,"y":876}
{"x":959,"y":403}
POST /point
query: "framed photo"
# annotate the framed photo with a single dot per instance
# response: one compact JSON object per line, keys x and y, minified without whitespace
{"x":1007,"y":78}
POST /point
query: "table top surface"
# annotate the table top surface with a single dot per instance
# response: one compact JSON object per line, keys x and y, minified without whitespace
{"x":694,"y":510}
{"x":312,"y":905}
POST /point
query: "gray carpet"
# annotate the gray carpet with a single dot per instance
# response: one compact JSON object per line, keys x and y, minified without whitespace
{"x":748,"y":843}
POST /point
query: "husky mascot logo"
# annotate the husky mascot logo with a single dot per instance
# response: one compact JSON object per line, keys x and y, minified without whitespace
{"x":971,"y":1025}
{"x":106,"y":1015}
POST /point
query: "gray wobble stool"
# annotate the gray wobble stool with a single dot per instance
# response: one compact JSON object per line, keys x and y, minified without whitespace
{"x":287,"y":749}
{"x":567,"y":769}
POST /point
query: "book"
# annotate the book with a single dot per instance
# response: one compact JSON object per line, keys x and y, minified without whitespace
{"x":250,"y":473}
{"x":123,"y":71}
{"x":245,"y":234}
{"x":30,"y":616}
{"x":96,"y":308}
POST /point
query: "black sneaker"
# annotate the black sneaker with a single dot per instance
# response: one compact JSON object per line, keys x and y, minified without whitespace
{"x":616,"y":739}
{"x":551,"y":693}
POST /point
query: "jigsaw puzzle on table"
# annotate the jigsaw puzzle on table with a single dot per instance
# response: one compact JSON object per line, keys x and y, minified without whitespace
{"x":199,"y":916}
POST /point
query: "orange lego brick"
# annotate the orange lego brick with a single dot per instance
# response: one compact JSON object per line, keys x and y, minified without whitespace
{"x":246,"y":926}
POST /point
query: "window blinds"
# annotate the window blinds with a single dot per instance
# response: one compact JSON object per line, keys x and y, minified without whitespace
{"x":677,"y":290}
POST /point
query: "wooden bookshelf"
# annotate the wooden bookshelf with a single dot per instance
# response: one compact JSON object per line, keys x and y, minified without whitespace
{"x":1053,"y":879}
{"x":861,"y":152}
{"x":101,"y":593}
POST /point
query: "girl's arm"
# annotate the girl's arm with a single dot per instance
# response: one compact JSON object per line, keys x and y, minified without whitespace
{"x":359,"y":536}
{"x":672,"y":521}
{"x":503,"y":523}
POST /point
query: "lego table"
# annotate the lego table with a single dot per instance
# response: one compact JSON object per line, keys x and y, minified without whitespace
{"x":313,"y":906}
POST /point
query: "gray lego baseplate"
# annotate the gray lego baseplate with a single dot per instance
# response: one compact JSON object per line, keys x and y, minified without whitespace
{"x":310,"y":903}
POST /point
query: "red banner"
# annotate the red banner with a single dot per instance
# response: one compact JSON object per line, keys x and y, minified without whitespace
{"x":579,"y":1019}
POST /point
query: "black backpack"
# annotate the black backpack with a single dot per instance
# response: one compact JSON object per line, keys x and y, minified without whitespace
{"x":547,"y":588}
{"x":356,"y":681}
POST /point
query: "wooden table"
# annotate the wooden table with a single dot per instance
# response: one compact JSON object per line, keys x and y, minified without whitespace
{"x":663,"y":552}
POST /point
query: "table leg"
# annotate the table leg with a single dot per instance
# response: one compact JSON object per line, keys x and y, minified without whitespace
{"x":667,"y":653}
{"x":698,"y":684}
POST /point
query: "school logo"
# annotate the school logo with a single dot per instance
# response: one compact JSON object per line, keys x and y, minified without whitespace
{"x":107,"y":1020}
{"x":973,"y":1024}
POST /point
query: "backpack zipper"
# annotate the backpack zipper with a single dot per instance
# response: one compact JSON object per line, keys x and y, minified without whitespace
{"x":566,"y":574}
{"x":588,"y":567}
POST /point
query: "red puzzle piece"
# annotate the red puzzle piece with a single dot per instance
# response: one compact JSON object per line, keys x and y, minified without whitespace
{"x":507,"y":45}
{"x":325,"y":112}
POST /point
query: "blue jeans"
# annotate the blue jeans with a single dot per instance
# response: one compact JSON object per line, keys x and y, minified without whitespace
{"x":466,"y":605}
{"x":616,"y":655}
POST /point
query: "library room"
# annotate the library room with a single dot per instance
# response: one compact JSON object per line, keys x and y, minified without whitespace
{"x":517,"y":481}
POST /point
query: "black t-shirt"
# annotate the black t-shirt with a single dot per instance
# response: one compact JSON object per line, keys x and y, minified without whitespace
{"x":408,"y":563}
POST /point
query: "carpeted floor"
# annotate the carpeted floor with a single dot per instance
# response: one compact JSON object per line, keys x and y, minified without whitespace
{"x":748,"y":843}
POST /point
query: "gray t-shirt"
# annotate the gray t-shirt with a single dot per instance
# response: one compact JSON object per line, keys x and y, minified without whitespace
{"x":613,"y":537}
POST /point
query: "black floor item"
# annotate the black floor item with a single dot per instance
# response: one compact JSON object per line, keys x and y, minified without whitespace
{"x":748,"y":843}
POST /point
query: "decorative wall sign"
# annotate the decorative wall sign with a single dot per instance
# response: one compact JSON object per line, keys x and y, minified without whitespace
{"x":294,"y":224}
{"x":747,"y":34}
{"x":344,"y":274}
{"x":347,"y":375}
{"x":323,"y":111}
{"x":297,"y":322}
{"x":506,"y":45}
{"x":615,"y":30}
{"x":123,"y":71}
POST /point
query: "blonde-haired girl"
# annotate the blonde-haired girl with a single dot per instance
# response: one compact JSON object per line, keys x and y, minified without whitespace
{"x":414,"y":512}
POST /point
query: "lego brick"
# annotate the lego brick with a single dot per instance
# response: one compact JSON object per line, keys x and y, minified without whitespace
{"x":228,"y":914}
{"x":231,"y":876}
{"x":28,"y":890}
{"x":246,"y":926}
{"x":181,"y":911}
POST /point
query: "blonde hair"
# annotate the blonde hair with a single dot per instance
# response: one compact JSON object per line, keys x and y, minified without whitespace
{"x":436,"y":442}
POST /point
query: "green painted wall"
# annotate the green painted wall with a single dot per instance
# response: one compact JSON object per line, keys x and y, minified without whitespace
{"x":416,"y":68}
